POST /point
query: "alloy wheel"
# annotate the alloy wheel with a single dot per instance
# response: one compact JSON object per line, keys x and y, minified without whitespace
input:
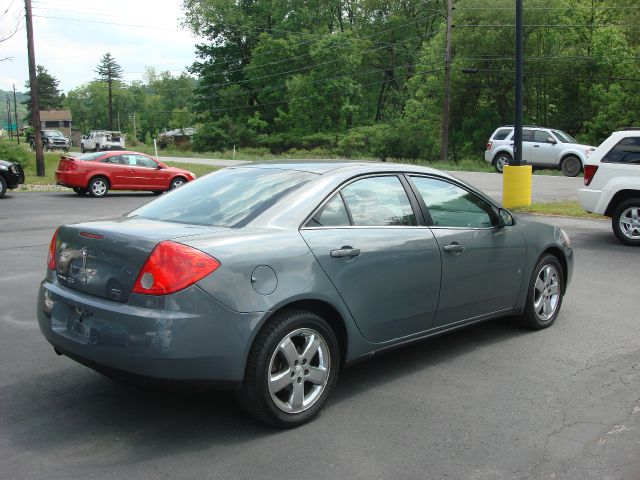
{"x":299,"y":370}
{"x":629,"y":223}
{"x":546,"y":294}
{"x":98,"y":188}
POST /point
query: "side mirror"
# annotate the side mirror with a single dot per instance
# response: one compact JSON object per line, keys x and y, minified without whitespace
{"x":506,"y":219}
{"x":551,"y":140}
{"x":161,"y":166}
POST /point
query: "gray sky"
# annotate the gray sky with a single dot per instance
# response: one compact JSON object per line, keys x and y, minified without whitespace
{"x":70,"y":49}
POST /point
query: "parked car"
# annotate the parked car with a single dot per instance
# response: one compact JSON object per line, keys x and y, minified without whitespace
{"x":51,"y":140}
{"x":102,"y":140}
{"x":541,"y":147}
{"x":270,"y":278}
{"x":11,"y":175}
{"x":97,"y":173}
{"x":612,"y":184}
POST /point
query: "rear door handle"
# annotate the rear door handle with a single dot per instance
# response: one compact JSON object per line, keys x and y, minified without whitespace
{"x":345,"y":251}
{"x":536,"y":146}
{"x":454,"y":247}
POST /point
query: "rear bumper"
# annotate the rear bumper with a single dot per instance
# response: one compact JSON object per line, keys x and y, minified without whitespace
{"x":592,"y":200}
{"x":69,"y":180}
{"x":187,"y":336}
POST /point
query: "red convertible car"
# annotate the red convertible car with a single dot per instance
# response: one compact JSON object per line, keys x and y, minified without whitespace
{"x":99,"y":172}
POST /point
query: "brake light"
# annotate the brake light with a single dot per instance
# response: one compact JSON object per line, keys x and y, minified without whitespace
{"x":172,"y":267}
{"x":589,"y":172}
{"x":489,"y":145}
{"x":51,"y":256}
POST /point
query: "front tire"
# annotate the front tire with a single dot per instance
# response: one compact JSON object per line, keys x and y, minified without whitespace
{"x":98,"y":187}
{"x":502,"y":159}
{"x":625,"y":222}
{"x":3,"y":186}
{"x":571,"y":166}
{"x":291,"y":370}
{"x":177,"y":182}
{"x":544,"y":296}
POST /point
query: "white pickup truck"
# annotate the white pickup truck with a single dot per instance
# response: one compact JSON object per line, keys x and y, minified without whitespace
{"x":102,"y":140}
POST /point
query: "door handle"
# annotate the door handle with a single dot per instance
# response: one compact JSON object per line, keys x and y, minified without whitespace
{"x":345,"y":251}
{"x":536,"y":146}
{"x":454,"y":247}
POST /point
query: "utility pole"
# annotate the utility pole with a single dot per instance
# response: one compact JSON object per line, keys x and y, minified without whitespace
{"x":9,"y":118}
{"x":517,"y":130}
{"x":447,"y":85}
{"x":33,"y":83}
{"x":15,"y":111}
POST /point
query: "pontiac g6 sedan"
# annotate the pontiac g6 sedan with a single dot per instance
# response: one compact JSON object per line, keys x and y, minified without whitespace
{"x":97,"y":173}
{"x":270,"y":278}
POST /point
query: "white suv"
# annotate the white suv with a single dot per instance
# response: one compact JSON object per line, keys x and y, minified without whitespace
{"x":541,"y":147}
{"x":612,"y":184}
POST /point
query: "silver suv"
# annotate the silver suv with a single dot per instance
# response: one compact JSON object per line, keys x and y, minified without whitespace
{"x":541,"y":147}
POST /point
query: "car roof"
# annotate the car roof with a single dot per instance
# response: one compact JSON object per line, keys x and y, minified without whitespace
{"x":322,"y":167}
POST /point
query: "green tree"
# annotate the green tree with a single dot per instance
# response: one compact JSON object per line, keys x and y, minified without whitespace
{"x":49,"y":95}
{"x":109,"y":72}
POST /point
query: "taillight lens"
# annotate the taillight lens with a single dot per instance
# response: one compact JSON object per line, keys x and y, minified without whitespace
{"x":489,"y":145}
{"x":589,"y":172}
{"x":172,"y":267}
{"x":51,"y":256}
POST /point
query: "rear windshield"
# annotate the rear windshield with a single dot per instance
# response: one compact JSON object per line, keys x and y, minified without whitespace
{"x":89,"y":156}
{"x":228,"y":198}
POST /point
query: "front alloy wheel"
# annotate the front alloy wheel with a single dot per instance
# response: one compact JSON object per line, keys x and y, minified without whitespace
{"x":177,"y":182}
{"x":291,"y":370}
{"x":545,"y":293}
{"x":626,"y":222}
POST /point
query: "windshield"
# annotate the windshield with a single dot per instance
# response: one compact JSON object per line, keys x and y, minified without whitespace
{"x":564,"y":137}
{"x":52,"y":133}
{"x":227,"y":198}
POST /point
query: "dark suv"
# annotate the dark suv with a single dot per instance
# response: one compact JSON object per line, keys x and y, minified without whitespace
{"x":11,"y":175}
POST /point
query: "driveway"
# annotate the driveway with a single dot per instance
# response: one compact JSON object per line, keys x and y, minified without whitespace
{"x":490,"y":401}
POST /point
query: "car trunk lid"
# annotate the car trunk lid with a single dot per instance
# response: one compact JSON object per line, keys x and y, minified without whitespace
{"x":104,"y":258}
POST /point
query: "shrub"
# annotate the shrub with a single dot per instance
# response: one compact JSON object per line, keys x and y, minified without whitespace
{"x":13,"y":153}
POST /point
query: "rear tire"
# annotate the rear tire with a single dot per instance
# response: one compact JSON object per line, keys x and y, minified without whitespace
{"x":625,"y":222}
{"x":500,"y":161}
{"x":571,"y":166}
{"x":98,"y":187}
{"x":284,"y":386}
{"x":544,"y":295}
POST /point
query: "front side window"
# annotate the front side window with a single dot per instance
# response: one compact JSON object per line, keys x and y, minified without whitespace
{"x":527,"y":135}
{"x":626,"y":150}
{"x":452,"y":206}
{"x":145,"y":162}
{"x":379,"y":201}
{"x":541,"y":136}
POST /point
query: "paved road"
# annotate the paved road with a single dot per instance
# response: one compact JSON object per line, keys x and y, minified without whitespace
{"x":488,"y":402}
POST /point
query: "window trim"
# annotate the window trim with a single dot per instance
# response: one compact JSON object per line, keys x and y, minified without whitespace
{"x":495,"y":218}
{"x":405,"y":185}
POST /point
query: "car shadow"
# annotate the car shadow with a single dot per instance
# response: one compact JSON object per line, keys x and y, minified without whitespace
{"x":74,"y":406}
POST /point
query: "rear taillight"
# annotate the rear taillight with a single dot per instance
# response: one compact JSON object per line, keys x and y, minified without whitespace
{"x":51,"y":256}
{"x":172,"y":267}
{"x":589,"y":172}
{"x":489,"y":145}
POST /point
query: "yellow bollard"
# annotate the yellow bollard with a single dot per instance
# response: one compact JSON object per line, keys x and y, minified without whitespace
{"x":516,"y":186}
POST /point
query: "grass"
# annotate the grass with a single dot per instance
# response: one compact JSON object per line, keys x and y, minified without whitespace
{"x":564,"y":208}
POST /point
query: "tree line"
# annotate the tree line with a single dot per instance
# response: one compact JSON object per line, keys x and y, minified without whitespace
{"x":365,"y":77}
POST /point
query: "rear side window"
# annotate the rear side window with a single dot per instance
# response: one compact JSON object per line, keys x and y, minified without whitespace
{"x":502,"y":134}
{"x":626,"y":151}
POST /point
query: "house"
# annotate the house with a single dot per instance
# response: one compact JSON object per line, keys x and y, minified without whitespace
{"x":56,"y":120}
{"x":179,"y":136}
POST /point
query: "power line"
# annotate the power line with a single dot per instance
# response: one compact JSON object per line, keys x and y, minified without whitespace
{"x":106,"y":23}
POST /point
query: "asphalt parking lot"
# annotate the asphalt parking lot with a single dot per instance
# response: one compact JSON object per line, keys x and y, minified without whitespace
{"x":490,"y":401}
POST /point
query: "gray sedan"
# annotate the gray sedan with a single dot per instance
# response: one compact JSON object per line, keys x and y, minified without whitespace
{"x":270,"y":278}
